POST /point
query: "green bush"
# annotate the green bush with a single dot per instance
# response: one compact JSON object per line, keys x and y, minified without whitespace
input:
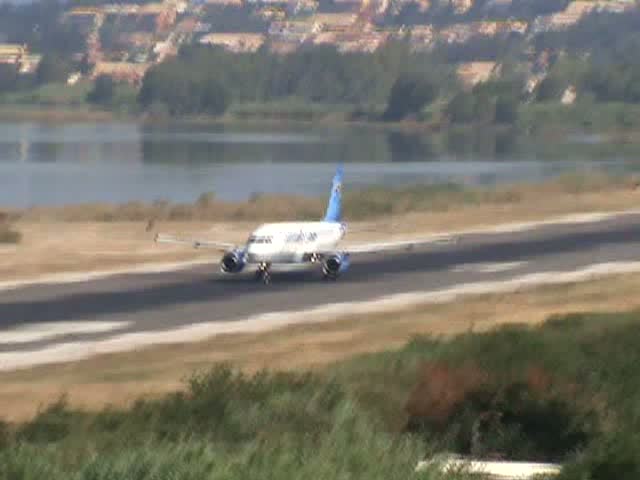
{"x":226,"y":425}
{"x":8,"y":235}
{"x":613,"y":457}
{"x":409,"y":94}
{"x":521,"y":418}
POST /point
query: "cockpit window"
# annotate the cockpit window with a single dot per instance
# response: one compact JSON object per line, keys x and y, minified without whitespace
{"x":259,"y":239}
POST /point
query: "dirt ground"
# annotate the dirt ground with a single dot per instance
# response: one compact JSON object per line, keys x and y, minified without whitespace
{"x":118,"y":379}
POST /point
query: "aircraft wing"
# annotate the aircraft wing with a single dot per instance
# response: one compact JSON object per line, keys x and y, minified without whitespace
{"x":223,"y":246}
{"x":401,"y":245}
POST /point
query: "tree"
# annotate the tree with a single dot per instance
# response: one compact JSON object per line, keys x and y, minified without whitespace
{"x":85,"y":66}
{"x":183,"y":90}
{"x":506,"y":109}
{"x":8,"y":77}
{"x":484,"y":107}
{"x":461,"y":108}
{"x":215,"y":98}
{"x":103,"y":90}
{"x":409,"y":94}
{"x":550,"y":88}
{"x":52,"y":69}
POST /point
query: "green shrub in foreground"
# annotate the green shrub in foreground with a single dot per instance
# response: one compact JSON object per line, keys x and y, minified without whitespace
{"x":352,"y":448}
{"x":614,"y":457}
{"x":8,"y":234}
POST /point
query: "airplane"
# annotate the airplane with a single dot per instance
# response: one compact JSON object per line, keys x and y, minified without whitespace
{"x":299,"y":243}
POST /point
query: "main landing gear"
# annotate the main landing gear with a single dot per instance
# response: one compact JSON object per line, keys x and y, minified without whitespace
{"x":264,"y":273}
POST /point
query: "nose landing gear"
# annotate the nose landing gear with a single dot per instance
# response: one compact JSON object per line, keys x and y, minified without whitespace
{"x":264,"y":273}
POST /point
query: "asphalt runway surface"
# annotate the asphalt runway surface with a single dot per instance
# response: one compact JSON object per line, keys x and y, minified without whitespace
{"x":164,"y":301}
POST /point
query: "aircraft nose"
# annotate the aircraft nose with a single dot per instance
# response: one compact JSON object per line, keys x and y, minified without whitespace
{"x":255,"y":253}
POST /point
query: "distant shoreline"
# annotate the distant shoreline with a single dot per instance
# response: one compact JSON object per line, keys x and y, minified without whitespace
{"x":46,"y":113}
{"x":547,"y":121}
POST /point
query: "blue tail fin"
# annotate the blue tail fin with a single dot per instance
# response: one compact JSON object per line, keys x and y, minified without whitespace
{"x":334,"y":208}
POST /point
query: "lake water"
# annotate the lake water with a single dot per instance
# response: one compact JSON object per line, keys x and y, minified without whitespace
{"x":48,"y":164}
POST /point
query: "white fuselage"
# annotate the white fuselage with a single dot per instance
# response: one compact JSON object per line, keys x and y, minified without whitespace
{"x":289,"y":242}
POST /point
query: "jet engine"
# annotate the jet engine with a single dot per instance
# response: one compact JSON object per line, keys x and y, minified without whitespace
{"x":335,"y":264}
{"x":233,"y":261}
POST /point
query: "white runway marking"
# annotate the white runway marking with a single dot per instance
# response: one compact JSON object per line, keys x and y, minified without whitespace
{"x":487,"y":267}
{"x":70,"y":351}
{"x":35,"y":332}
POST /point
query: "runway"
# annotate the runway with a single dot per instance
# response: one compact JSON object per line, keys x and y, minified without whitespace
{"x":47,"y":316}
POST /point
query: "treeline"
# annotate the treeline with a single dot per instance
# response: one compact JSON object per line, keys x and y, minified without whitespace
{"x":53,"y":68}
{"x":207,"y":80}
{"x":604,"y":37}
{"x":599,"y":82}
{"x":493,"y":102}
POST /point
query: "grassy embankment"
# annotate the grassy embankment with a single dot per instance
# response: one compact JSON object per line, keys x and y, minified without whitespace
{"x":86,"y":237}
{"x":65,"y":103}
{"x":566,"y":391}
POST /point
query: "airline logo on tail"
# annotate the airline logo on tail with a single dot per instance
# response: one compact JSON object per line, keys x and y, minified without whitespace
{"x":334,"y":208}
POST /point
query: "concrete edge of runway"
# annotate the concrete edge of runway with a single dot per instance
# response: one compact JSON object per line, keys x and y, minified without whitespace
{"x":162,"y":267}
{"x":76,"y":351}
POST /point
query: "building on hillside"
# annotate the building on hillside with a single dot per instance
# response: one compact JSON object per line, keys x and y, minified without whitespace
{"x":189,"y":26}
{"x":74,"y":78}
{"x":353,"y":42}
{"x":421,"y":37}
{"x":472,"y":73}
{"x":29,"y":64}
{"x":164,"y":49}
{"x":272,"y":13}
{"x":456,"y":33}
{"x":281,"y":47}
{"x":374,"y":8}
{"x":461,"y":7}
{"x":577,"y":10}
{"x":542,"y":62}
{"x":19,"y":57}
{"x":491,"y":29}
{"x":363,"y":43}
{"x":181,"y":6}
{"x":569,"y":95}
{"x":303,"y":7}
{"x":235,"y":42}
{"x":84,"y":19}
{"x":334,"y":22}
{"x":12,"y":53}
{"x":164,"y":14}
{"x":150,"y":17}
{"x":398,"y":5}
{"x":131,"y":73}
{"x":293,"y":31}
{"x":226,"y":3}
{"x":532,"y":83}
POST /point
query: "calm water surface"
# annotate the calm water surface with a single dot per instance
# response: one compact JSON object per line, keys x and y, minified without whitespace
{"x":51,"y":164}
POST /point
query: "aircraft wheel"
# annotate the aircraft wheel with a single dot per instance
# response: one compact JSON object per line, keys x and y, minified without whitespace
{"x":266,"y":278}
